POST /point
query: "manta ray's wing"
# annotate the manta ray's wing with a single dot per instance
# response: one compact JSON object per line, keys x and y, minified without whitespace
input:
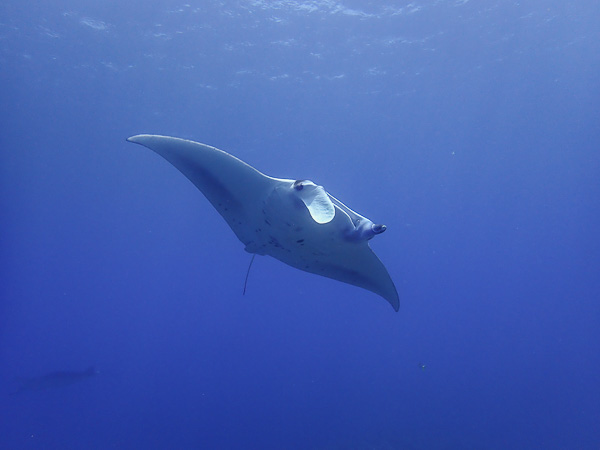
{"x":233,"y":187}
{"x":353,"y":263}
{"x":357,"y":264}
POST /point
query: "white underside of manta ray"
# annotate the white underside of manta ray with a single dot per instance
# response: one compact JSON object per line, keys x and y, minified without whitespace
{"x":294,"y":221}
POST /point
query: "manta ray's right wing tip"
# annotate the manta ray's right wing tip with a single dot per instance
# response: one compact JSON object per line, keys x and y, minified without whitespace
{"x":394,"y":300}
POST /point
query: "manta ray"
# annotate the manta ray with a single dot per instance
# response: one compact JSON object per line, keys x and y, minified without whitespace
{"x":294,"y":221}
{"x":54,"y":380}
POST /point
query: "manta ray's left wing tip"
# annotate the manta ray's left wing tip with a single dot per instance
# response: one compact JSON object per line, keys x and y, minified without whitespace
{"x":136,"y":139}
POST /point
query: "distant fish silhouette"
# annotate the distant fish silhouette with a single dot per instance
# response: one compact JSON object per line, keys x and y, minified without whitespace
{"x":54,"y":380}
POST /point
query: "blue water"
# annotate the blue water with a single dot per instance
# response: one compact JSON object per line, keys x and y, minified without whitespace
{"x":471,"y":129}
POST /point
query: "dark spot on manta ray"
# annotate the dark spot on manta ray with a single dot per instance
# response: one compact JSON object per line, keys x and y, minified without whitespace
{"x":299,"y":241}
{"x":267,"y":222}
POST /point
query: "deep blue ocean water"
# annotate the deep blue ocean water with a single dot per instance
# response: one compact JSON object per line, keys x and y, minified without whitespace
{"x":470,"y":128}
